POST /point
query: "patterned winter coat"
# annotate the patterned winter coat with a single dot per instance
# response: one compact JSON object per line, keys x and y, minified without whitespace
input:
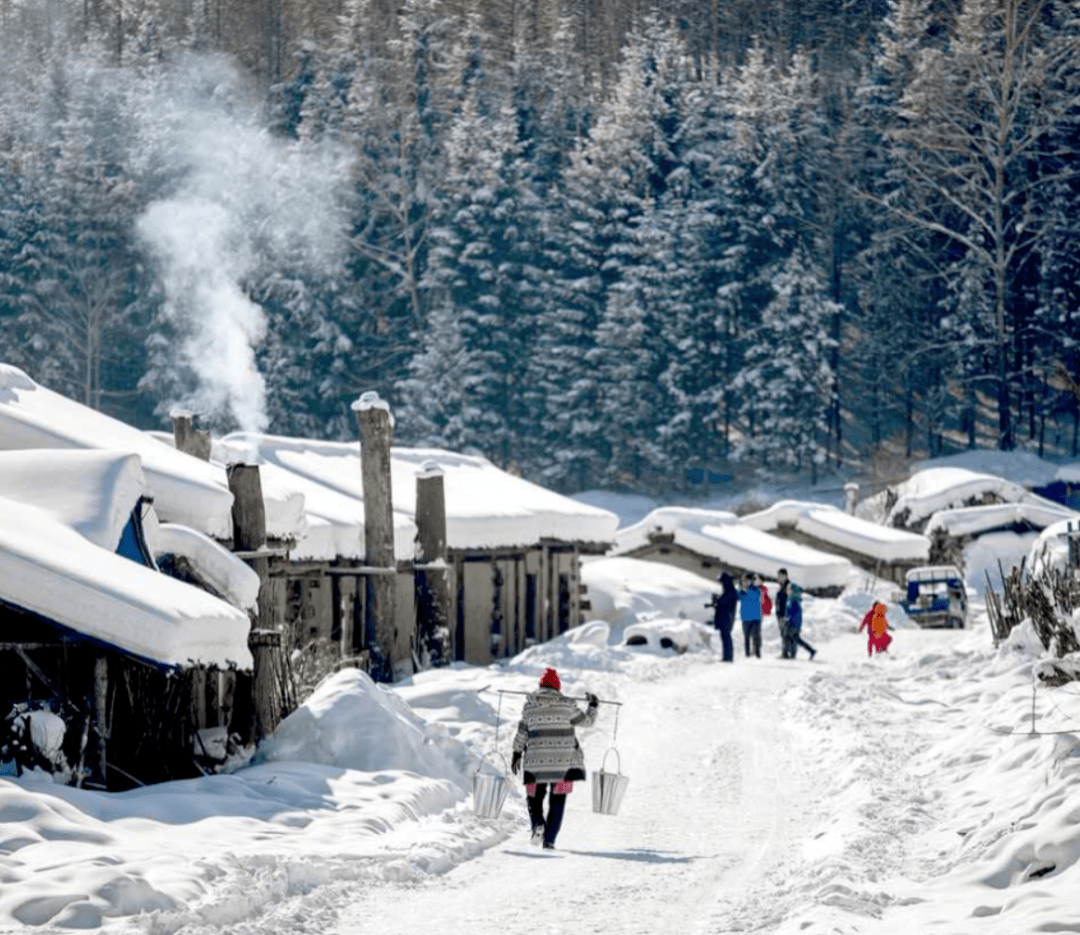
{"x":546,"y":736}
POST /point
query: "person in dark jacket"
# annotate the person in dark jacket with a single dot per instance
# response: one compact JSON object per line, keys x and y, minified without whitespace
{"x":724,"y":613}
{"x":750,"y":611}
{"x":780,"y":605}
{"x":794,"y":624}
{"x":547,"y":749}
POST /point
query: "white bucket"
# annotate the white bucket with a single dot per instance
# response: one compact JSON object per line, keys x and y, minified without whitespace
{"x":608,"y":789}
{"x":489,"y":792}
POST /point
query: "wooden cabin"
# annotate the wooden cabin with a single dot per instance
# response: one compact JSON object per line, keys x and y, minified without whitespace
{"x":143,"y":676}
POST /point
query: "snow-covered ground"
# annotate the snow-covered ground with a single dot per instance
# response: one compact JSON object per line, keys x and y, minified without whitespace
{"x":901,"y":794}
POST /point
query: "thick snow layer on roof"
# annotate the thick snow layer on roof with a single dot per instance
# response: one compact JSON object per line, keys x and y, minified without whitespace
{"x":1069,"y":473}
{"x":863,"y":537}
{"x":334,"y":510}
{"x":185,"y":490}
{"x":485,"y":506}
{"x":49,"y":568}
{"x":283,"y":499}
{"x":753,"y":550}
{"x":218,"y":567}
{"x":1021,"y":467}
{"x":929,"y":491}
{"x":93,"y":492}
{"x":722,"y":536}
{"x":972,"y":520}
{"x":684,"y":523}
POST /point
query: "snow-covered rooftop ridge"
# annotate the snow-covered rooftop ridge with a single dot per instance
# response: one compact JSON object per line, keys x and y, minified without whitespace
{"x":284,"y":501}
{"x":720,"y":535}
{"x":972,"y":520}
{"x":185,"y":490}
{"x":486,"y":507}
{"x":668,"y":520}
{"x":832,"y":525}
{"x":93,"y":492}
{"x":49,"y":568}
{"x":1021,"y":467}
{"x":934,"y":489}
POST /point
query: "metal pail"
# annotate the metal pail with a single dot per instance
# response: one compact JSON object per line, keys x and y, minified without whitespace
{"x":489,"y":792}
{"x":608,"y":789}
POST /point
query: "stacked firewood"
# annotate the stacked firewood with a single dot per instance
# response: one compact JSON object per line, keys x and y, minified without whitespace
{"x":1048,"y":599}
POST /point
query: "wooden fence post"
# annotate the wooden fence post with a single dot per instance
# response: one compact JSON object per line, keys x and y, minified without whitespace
{"x":187,"y":438}
{"x":264,"y":640}
{"x":376,"y":437}
{"x":101,"y":717}
{"x":433,"y":579}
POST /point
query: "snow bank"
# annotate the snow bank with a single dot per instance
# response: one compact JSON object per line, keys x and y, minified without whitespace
{"x":620,"y":590}
{"x":218,"y":567}
{"x":973,"y":520}
{"x":93,"y":492}
{"x":186,"y":490}
{"x":50,"y":569}
{"x":1050,"y":550}
{"x":350,"y":721}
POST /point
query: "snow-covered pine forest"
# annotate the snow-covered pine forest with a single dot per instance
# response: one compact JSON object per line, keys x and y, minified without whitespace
{"x":603,"y":243}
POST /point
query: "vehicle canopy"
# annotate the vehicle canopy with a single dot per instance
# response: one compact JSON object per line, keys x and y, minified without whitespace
{"x":927,"y":577}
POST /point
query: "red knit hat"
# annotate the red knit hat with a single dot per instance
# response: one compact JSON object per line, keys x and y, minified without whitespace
{"x":550,"y":679}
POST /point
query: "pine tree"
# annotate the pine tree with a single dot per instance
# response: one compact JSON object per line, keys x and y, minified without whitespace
{"x":787,"y":382}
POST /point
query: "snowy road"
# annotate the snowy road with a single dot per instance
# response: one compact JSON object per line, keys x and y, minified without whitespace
{"x":721,"y":781}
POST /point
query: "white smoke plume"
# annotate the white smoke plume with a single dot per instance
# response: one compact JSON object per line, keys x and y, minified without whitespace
{"x":241,"y":201}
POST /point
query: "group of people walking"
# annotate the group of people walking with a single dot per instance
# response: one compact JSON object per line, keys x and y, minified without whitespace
{"x":751,"y":597}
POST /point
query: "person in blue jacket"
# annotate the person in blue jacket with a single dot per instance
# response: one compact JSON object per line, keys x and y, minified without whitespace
{"x":750,"y":612}
{"x":794,"y":624}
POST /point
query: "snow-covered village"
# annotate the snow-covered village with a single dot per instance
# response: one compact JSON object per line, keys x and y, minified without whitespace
{"x":565,"y":466}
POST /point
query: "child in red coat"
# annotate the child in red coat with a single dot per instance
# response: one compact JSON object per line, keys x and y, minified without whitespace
{"x":877,"y":629}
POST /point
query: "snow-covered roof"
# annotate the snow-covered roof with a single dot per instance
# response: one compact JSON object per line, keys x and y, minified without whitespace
{"x":93,"y":492}
{"x":720,"y":535}
{"x":1069,"y":473}
{"x":1021,"y":467}
{"x":761,"y":552}
{"x":863,"y":537}
{"x":282,"y":497}
{"x":927,"y":492}
{"x":972,"y":520}
{"x":485,"y":506}
{"x":834,"y":526}
{"x":230,"y":577}
{"x":683,"y":523}
{"x":185,"y":490}
{"x":48,"y":567}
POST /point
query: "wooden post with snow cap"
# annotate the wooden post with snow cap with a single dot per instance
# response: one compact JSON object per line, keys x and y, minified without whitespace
{"x":187,"y":438}
{"x":851,"y":496}
{"x":249,"y":535}
{"x":376,"y":437}
{"x":433,"y":575}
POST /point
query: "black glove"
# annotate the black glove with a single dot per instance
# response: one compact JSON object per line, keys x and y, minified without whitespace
{"x":515,"y":762}
{"x":593,"y":700}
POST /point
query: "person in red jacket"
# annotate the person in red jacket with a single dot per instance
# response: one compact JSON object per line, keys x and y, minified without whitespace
{"x":877,"y":629}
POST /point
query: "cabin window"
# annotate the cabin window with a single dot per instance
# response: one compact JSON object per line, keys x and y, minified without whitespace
{"x":564,"y":603}
{"x":530,"y":608}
